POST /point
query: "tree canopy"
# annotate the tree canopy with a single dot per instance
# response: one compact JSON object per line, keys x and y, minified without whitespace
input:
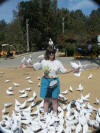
{"x":45,"y":21}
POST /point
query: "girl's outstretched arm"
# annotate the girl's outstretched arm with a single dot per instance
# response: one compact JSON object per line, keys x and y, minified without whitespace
{"x":72,"y":70}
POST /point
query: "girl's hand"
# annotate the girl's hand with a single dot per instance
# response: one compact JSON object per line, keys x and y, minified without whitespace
{"x":46,"y":75}
{"x":76,"y":70}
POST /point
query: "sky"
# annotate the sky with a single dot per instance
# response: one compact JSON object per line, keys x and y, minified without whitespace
{"x":6,"y":9}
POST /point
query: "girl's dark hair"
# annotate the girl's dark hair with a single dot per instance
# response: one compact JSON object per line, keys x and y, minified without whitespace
{"x":49,"y":50}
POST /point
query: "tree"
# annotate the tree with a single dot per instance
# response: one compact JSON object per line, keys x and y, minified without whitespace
{"x":2,"y":31}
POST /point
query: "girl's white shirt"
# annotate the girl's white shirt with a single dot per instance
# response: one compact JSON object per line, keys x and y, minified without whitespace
{"x":55,"y":67}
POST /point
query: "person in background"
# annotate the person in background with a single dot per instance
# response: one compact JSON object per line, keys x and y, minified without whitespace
{"x":51,"y":67}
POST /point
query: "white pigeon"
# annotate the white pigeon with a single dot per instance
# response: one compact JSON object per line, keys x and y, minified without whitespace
{"x":27,"y":110}
{"x":4,"y":130}
{"x":74,"y":65}
{"x":77,"y":65}
{"x":85,"y":98}
{"x":97,"y":118}
{"x":24,"y":61}
{"x":16,"y":84}
{"x":17,"y":102}
{"x":22,"y":106}
{"x":65,"y":92}
{"x":33,"y":104}
{"x":68,"y":129}
{"x":7,"y":80}
{"x":85,"y":128}
{"x":70,"y":88}
{"x":77,"y":74}
{"x":9,"y":92}
{"x":90,"y":76}
{"x":7,"y":105}
{"x":38,"y":78}
{"x":50,"y":42}
{"x":29,"y":60}
{"x":90,"y":107}
{"x":37,"y":66}
{"x":31,"y":99}
{"x":10,"y":88}
{"x":24,"y":95}
{"x":40,"y":57}
{"x":17,"y":109}
{"x":99,"y":111}
{"x":30,"y":81}
{"x":78,"y":128}
{"x":80,"y":88}
{"x":28,"y":77}
{"x":34,"y":94}
{"x":62,"y":97}
{"x":22,"y":91}
{"x":97,"y":101}
{"x":4,"y":110}
{"x":39,"y":84}
{"x":1,"y":72}
{"x":28,"y":89}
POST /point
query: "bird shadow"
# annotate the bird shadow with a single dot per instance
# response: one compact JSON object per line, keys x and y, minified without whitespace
{"x":61,"y":101}
{"x":38,"y":102}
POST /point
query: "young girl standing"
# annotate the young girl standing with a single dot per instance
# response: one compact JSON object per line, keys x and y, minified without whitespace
{"x":51,"y":67}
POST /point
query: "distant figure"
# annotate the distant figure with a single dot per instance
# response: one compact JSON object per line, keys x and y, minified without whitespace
{"x":57,"y":50}
{"x":89,"y":47}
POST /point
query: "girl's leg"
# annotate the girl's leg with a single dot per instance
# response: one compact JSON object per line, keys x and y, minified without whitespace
{"x":46,"y":102}
{"x":55,"y":104}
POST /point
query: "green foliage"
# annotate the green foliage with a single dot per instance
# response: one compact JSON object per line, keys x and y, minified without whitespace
{"x":45,"y":21}
{"x":70,"y":49}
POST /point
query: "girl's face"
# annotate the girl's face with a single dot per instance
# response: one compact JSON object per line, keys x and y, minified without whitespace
{"x":51,"y":56}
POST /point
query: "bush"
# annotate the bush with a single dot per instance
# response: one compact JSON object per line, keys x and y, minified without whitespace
{"x":70,"y":49}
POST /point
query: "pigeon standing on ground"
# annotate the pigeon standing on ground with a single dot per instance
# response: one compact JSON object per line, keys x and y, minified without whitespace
{"x":24,"y":95}
{"x":9,"y":92}
{"x":7,"y":80}
{"x":29,"y":61}
{"x":65,"y":92}
{"x":97,"y":101}
{"x":90,"y":76}
{"x":30,"y":81}
{"x":27,"y":77}
{"x":22,"y":91}
{"x":16,"y":84}
{"x":7,"y":105}
{"x":10,"y":88}
{"x":70,"y":88}
{"x":23,"y":63}
{"x":80,"y":88}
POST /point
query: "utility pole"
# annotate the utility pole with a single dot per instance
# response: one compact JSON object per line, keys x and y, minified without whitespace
{"x":98,"y":39}
{"x":27,"y":34}
{"x":63,"y":24}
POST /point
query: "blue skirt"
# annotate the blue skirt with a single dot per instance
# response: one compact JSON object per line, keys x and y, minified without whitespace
{"x":44,"y":87}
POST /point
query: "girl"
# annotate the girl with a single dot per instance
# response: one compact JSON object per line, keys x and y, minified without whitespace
{"x":51,"y":67}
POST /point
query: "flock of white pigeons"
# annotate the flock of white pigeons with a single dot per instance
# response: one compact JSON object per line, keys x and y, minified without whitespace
{"x":74,"y":116}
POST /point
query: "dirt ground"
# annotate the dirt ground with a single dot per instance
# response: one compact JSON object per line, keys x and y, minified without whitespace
{"x":18,"y":75}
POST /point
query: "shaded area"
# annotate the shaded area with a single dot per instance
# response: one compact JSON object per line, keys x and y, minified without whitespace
{"x":2,"y":1}
{"x":97,"y":1}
